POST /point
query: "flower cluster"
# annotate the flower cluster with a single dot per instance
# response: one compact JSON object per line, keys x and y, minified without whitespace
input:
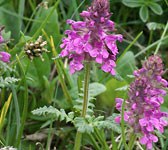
{"x":36,"y":49}
{"x":3,"y":55}
{"x":145,"y":96}
{"x":89,"y":40}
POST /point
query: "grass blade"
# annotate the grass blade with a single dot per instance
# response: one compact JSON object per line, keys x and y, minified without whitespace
{"x":64,"y":87}
{"x":25,"y":108}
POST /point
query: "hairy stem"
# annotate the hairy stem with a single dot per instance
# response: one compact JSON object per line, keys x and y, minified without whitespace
{"x":84,"y":110}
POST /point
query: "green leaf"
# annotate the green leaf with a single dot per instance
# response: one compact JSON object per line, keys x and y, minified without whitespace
{"x":10,"y":22}
{"x":83,"y":126}
{"x":108,"y":97}
{"x":57,"y":114}
{"x":156,"y":8}
{"x":155,"y":25}
{"x":51,"y":27}
{"x":109,"y":123}
{"x":124,"y":88}
{"x":126,"y":66}
{"x":143,"y":13}
{"x":96,"y":89}
{"x":7,"y":81}
{"x":133,"y":3}
{"x":37,"y":69}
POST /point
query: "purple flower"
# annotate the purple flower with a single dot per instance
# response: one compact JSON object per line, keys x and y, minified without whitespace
{"x":4,"y":57}
{"x":1,"y":38}
{"x":147,"y":139}
{"x":142,"y":109}
{"x":90,"y":39}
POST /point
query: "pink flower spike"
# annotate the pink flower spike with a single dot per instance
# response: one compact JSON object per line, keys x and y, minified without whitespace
{"x":91,"y":38}
{"x":5,"y":57}
{"x":145,"y":96}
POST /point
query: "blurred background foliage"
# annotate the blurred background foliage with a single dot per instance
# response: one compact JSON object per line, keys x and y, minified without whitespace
{"x":25,"y":20}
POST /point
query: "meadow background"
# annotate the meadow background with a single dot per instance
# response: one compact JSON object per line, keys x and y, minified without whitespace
{"x":34,"y":84}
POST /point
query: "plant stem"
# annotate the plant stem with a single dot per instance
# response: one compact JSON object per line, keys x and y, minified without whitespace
{"x":149,"y":47}
{"x":122,"y":126}
{"x":84,"y":110}
{"x":86,"y":88}
{"x":62,"y":82}
{"x":164,"y":32}
{"x":114,"y":144}
{"x":101,"y":139}
{"x":25,"y":108}
{"x":132,"y":141}
{"x":150,"y":37}
{"x":78,"y":140}
{"x":96,"y":146}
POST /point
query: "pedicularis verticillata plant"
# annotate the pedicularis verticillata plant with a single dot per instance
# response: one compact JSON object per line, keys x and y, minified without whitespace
{"x":142,"y":109}
{"x":88,"y":41}
{"x":91,"y":39}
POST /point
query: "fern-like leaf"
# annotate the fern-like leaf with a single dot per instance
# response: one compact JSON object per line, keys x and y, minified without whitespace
{"x":4,"y":67}
{"x":7,"y":81}
{"x":58,"y":114}
{"x":83,"y":126}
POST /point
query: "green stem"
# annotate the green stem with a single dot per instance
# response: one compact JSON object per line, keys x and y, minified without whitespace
{"x":49,"y":135}
{"x":9,"y":123}
{"x":63,"y":85}
{"x":149,"y":47}
{"x":101,"y":139}
{"x":75,"y":8}
{"x":96,"y":146}
{"x":86,"y":89}
{"x":139,"y":145}
{"x":132,"y":141}
{"x":122,"y":126}
{"x":166,"y":2}
{"x":78,"y":140}
{"x":150,"y":37}
{"x":84,"y":110}
{"x":2,"y":141}
{"x":129,"y":46}
{"x":164,"y":32}
{"x":17,"y":111}
{"x":25,"y":108}
{"x":67,"y":77}
{"x":114,"y":144}
{"x":45,"y":21}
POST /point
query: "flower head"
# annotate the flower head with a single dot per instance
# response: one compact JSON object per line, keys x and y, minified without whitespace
{"x":142,"y":110}
{"x":89,"y":40}
{"x":36,"y":49}
{"x":4,"y":56}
